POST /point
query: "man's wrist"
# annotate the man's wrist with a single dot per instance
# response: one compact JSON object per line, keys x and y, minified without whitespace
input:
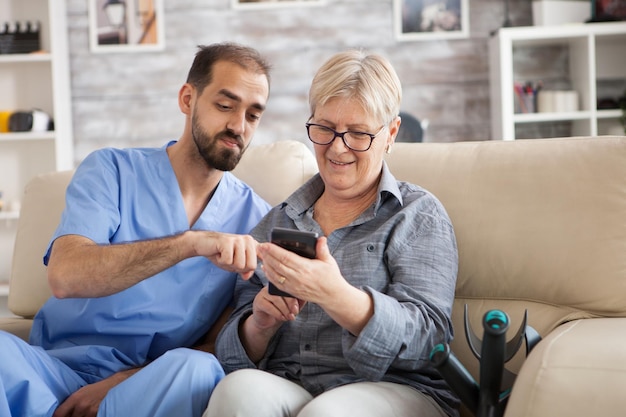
{"x":122,"y":376}
{"x":185,"y":244}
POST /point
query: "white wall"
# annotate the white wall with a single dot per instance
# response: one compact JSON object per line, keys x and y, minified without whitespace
{"x":130,"y":99}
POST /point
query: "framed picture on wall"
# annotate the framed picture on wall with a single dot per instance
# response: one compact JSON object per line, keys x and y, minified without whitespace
{"x":431,"y":19}
{"x":264,"y":4}
{"x":126,"y":25}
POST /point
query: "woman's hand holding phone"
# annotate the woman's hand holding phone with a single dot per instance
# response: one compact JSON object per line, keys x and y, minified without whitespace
{"x":298,"y":241}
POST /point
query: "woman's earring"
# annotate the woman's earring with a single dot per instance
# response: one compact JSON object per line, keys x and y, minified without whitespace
{"x":388,"y":150}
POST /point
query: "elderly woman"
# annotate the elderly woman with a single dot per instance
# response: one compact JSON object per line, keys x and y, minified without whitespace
{"x":355,"y":338}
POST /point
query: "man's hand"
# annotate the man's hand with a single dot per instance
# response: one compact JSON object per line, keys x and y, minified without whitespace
{"x":85,"y":401}
{"x":231,"y":252}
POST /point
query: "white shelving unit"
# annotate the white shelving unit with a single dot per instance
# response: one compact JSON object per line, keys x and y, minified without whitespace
{"x":596,"y":55}
{"x":4,"y":290}
{"x":4,"y":308}
{"x":39,"y":80}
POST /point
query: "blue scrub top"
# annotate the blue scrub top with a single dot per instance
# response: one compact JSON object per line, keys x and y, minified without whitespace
{"x":124,"y":195}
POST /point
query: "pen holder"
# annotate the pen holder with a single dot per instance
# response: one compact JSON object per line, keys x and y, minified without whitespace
{"x":489,"y":398}
{"x":19,"y":38}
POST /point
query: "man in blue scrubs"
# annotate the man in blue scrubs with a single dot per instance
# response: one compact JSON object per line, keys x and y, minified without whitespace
{"x":145,"y":260}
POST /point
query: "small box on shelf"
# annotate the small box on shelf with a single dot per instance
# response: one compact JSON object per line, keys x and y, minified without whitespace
{"x":557,"y":101}
{"x":558,"y":12}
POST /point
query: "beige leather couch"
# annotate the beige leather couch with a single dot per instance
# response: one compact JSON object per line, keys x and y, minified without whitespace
{"x":540,"y":224}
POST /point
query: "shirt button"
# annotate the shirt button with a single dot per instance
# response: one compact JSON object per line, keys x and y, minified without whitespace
{"x":307,"y":347}
{"x":370,"y":248}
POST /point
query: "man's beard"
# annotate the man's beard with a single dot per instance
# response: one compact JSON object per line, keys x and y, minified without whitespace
{"x":221,"y":159}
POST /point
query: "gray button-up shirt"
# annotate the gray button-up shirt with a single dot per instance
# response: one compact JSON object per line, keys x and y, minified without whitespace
{"x":402,"y":252}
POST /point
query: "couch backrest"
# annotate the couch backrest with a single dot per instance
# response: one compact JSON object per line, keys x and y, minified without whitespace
{"x":540,"y":225}
{"x":42,"y":203}
{"x":276,"y":169}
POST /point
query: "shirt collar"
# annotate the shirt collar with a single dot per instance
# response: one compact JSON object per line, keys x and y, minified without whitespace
{"x":388,"y":185}
{"x":304,"y":198}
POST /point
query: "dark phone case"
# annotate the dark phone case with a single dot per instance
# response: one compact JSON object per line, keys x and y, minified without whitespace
{"x":297,"y":241}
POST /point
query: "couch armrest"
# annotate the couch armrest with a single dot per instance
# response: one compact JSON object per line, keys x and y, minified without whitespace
{"x":579,"y":369}
{"x":17,"y":326}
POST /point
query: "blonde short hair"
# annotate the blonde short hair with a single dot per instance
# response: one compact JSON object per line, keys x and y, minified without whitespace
{"x":367,"y":77}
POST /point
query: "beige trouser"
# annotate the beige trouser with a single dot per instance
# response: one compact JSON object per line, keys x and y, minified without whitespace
{"x":254,"y":393}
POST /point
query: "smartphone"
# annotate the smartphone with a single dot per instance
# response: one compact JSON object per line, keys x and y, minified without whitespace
{"x":297,"y":241}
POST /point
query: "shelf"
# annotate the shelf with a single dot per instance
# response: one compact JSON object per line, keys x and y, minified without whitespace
{"x":547,"y":34}
{"x":609,"y":114}
{"x":19,"y":136}
{"x":550,"y":117}
{"x":9,"y":215}
{"x":28,"y":58}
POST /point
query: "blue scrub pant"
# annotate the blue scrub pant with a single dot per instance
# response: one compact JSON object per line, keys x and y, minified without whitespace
{"x":33,"y":383}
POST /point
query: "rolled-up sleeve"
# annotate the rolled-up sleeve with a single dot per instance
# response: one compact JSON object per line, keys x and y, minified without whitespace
{"x":413,"y":313}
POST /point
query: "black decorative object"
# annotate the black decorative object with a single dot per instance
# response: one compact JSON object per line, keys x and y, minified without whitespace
{"x":19,"y":37}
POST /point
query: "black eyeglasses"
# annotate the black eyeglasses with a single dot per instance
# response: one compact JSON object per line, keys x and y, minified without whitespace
{"x":356,"y":141}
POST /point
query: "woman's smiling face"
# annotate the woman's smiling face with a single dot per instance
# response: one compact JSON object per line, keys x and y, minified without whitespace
{"x":347,"y":173}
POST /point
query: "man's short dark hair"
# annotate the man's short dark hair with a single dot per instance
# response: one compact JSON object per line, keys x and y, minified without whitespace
{"x":201,"y":71}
